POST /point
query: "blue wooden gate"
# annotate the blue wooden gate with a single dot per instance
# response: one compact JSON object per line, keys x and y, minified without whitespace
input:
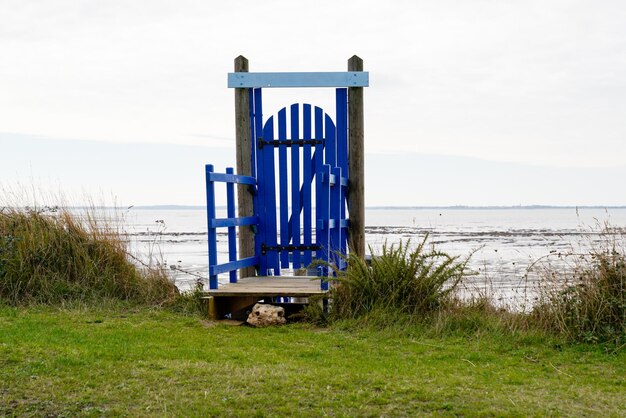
{"x":300,"y":168}
{"x":299,"y":176}
{"x":301,"y":172}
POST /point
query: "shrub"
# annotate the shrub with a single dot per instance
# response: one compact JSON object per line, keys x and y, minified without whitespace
{"x":592,"y":307}
{"x":51,"y":255}
{"x":400,"y":280}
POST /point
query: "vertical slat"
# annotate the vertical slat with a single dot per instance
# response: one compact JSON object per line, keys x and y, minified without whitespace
{"x":283,"y":186}
{"x":330,"y":142}
{"x":270,"y":196}
{"x":343,"y":246}
{"x":232,"y":231}
{"x":331,"y":159}
{"x":323,"y":214}
{"x":253,"y":132}
{"x":342,"y":156}
{"x":319,"y":161}
{"x":295,"y":184}
{"x":307,"y":178}
{"x":258,"y":116}
{"x":335,"y":214}
{"x":258,"y":123}
{"x":341,"y":98}
{"x":260,"y":206}
{"x":210,"y":211}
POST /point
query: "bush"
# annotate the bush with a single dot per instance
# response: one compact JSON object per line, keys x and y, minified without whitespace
{"x":592,"y":307}
{"x":50,"y":255}
{"x":400,"y":280}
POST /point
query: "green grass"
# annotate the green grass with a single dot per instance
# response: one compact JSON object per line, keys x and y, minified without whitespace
{"x":125,"y":360}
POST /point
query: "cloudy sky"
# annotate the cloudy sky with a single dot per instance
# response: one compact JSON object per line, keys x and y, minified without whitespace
{"x":470,"y":102}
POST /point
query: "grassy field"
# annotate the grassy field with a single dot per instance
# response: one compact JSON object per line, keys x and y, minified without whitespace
{"x":144,"y":362}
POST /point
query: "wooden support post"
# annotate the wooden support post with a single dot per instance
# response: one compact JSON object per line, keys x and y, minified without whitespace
{"x":356,"y":164}
{"x":244,"y":166}
{"x":218,"y":307}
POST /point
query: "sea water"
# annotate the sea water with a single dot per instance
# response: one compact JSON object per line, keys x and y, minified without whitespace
{"x":509,"y":247}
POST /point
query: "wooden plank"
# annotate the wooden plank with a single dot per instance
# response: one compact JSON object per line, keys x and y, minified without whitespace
{"x":232,"y":230}
{"x":259,"y":199}
{"x":215,"y":269}
{"x":268,"y":293}
{"x":307,"y":178}
{"x":356,"y":158}
{"x":271,"y":286}
{"x":322,"y":215}
{"x":227,"y":222}
{"x":298,"y":79}
{"x":270,"y":198}
{"x":244,"y":164}
{"x":335,"y":215}
{"x":295,"y":185}
{"x":212,"y":233}
{"x":294,"y":286}
{"x":274,"y":281}
{"x":218,"y":307}
{"x":232,"y":178}
{"x":283,"y":176}
{"x":341,"y":105}
{"x":318,"y":159}
{"x":253,"y":133}
{"x":330,"y":144}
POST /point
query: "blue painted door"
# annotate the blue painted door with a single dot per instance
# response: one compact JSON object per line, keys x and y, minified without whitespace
{"x":300,"y":157}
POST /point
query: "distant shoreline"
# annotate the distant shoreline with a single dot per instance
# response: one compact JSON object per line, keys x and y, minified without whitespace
{"x":455,"y":207}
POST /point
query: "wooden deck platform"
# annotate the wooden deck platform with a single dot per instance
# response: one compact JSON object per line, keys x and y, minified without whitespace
{"x":233,"y":297}
{"x":295,"y":286}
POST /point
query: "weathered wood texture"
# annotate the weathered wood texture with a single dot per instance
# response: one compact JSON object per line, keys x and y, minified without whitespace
{"x":244,"y":166}
{"x":270,"y":286}
{"x":218,"y":307}
{"x":356,"y":162}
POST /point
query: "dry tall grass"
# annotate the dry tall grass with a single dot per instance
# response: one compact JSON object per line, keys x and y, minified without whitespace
{"x":589,"y":302}
{"x":51,"y":255}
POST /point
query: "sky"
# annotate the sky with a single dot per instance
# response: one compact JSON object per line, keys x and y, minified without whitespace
{"x":470,"y":102}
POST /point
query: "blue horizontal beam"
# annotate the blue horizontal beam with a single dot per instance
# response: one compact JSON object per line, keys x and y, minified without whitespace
{"x":233,"y":265}
{"x":271,"y":80}
{"x":226,"y":222}
{"x":231,"y":178}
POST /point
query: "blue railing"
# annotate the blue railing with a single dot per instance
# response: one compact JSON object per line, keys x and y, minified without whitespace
{"x":231,"y":222}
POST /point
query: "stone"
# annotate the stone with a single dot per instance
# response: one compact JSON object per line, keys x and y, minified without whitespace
{"x":263,"y":315}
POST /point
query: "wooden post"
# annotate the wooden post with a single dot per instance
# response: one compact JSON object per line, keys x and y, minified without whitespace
{"x":244,"y":166}
{"x":356,"y":164}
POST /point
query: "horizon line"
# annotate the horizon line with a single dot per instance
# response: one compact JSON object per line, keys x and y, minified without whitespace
{"x":383,"y":207}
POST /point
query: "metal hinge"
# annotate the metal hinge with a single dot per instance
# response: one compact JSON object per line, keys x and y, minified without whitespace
{"x":288,"y":248}
{"x":288,"y":142}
